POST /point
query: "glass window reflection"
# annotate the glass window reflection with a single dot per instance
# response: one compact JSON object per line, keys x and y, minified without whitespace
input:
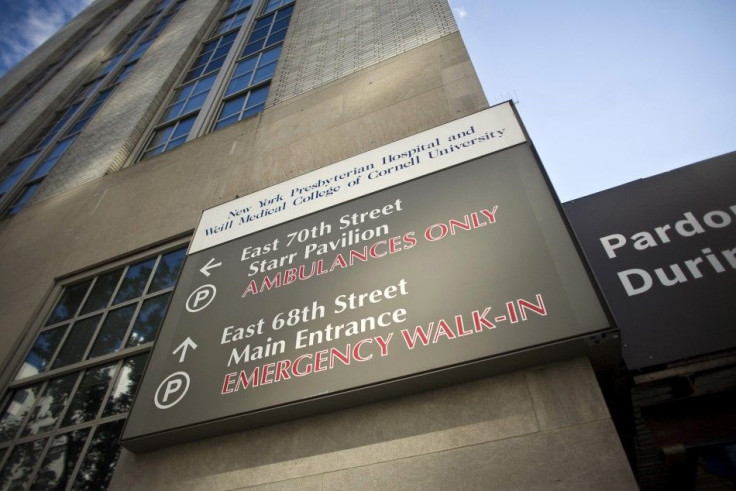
{"x":121,"y":396}
{"x":149,"y":320}
{"x":41,"y":353}
{"x":88,"y":398}
{"x":76,"y":342}
{"x":50,"y":405}
{"x":60,"y":460}
{"x":135,"y":281}
{"x":17,"y":470}
{"x":69,"y":302}
{"x":100,"y":295}
{"x":16,"y":410}
{"x":99,"y":462}
{"x":110,"y":337}
{"x":167,"y":270}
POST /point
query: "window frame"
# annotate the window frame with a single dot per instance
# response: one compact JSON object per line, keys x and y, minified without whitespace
{"x":51,"y":132}
{"x":206,"y":116}
{"x":116,"y":359}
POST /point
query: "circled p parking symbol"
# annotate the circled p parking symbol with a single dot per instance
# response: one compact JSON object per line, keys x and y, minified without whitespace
{"x":201,"y":298}
{"x":175,"y":387}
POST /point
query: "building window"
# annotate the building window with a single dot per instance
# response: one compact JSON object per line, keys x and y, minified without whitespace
{"x":220,"y":88}
{"x":17,"y":99}
{"x":63,"y":414}
{"x":23,"y":177}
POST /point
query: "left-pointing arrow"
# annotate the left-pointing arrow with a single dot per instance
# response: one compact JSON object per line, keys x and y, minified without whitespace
{"x":211,"y":264}
{"x":188,"y":343}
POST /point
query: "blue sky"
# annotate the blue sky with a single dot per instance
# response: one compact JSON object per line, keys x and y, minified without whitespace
{"x":25,"y":24}
{"x":610,"y":91}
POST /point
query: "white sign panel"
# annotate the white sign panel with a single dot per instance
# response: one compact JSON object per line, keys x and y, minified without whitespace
{"x":461,"y":140}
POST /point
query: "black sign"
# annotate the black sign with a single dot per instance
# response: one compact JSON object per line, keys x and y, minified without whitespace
{"x":663,"y":251}
{"x":458,"y":266}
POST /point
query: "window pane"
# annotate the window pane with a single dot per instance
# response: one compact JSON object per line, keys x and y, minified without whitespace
{"x":20,"y":167}
{"x":17,"y":470}
{"x":237,"y":84}
{"x":68,"y":303}
{"x":183,"y":92}
{"x":76,"y":342}
{"x":60,"y":460}
{"x":149,"y":320}
{"x":175,"y":143}
{"x":161,"y":136}
{"x":226,"y":122}
{"x":270,"y":55}
{"x":173,"y":112}
{"x":122,"y":393}
{"x":258,"y":96}
{"x":284,"y":12}
{"x":135,"y":281}
{"x":113,"y":331}
{"x":168,"y":270}
{"x":50,"y":405}
{"x":195,"y":102}
{"x":99,"y":462}
{"x":264,"y":73}
{"x":245,"y":66}
{"x":276,"y":37}
{"x":252,"y":48}
{"x":21,"y":201}
{"x":16,"y":411}
{"x":89,"y":395}
{"x":183,"y":129}
{"x":232,"y":107}
{"x":100,"y":295}
{"x":41,"y":353}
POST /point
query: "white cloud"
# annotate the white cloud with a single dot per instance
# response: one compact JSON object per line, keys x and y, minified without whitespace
{"x":460,"y":12}
{"x":34,"y":26}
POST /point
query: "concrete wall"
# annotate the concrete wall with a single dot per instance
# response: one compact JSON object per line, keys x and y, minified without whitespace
{"x":541,"y":428}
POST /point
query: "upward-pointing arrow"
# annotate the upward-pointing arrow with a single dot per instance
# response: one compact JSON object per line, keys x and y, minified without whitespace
{"x":188,"y":343}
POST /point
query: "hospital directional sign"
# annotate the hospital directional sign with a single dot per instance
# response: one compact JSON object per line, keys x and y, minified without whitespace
{"x":385,"y":273}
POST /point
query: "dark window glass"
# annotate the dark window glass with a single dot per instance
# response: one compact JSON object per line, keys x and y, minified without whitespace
{"x":50,"y":405}
{"x":76,"y":342}
{"x":41,"y":353}
{"x":124,"y":73}
{"x":88,"y":398}
{"x":51,"y":160}
{"x":20,"y":168}
{"x":125,"y":386}
{"x":100,"y":295}
{"x":135,"y":281}
{"x":17,"y":470}
{"x":189,"y":98}
{"x":99,"y":462}
{"x":16,"y":411}
{"x":60,"y":460}
{"x":242,"y":107}
{"x":167,"y":271}
{"x":236,"y":5}
{"x":68,"y":303}
{"x":110,"y":64}
{"x":110,"y":337}
{"x":274,"y":4}
{"x":149,"y":320}
{"x":21,"y":201}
